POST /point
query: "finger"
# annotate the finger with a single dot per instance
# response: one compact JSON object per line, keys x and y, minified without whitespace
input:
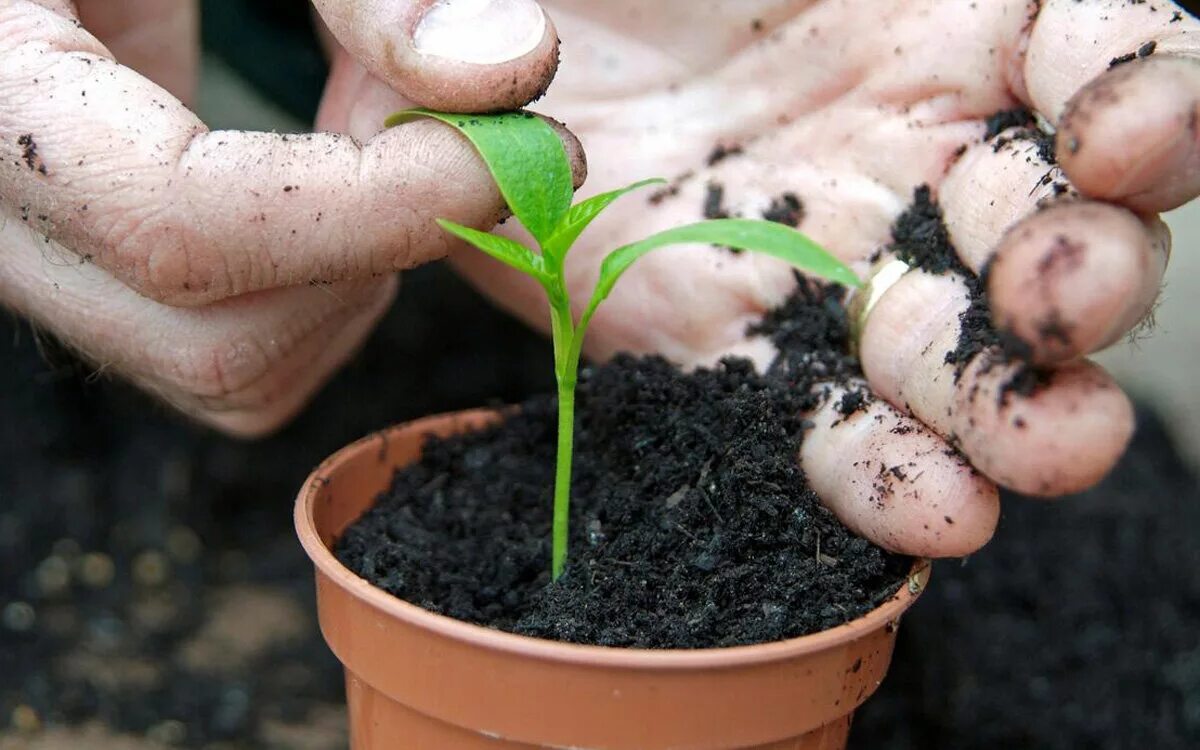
{"x":1128,"y":132}
{"x":1132,"y":135}
{"x":451,"y":55}
{"x":245,"y":365}
{"x":160,"y":40}
{"x":1064,"y":278}
{"x":1040,"y":434}
{"x":106,"y":163}
{"x":1076,"y":278}
{"x":894,"y":482}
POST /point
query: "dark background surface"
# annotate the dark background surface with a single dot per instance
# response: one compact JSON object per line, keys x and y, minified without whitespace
{"x":1076,"y":628}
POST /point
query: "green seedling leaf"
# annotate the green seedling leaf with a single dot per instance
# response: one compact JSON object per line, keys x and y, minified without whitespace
{"x":581,"y":215}
{"x":526,"y":158}
{"x":501,"y":248}
{"x":744,"y":234}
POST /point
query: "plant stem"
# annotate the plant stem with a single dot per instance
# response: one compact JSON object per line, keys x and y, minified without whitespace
{"x":566,"y":367}
{"x":562,"y":476}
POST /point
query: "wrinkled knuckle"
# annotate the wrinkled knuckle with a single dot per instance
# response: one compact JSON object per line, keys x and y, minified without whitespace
{"x":221,"y":372}
{"x":155,"y":257}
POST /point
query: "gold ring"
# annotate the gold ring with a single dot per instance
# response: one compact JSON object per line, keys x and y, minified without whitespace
{"x":883,"y":276}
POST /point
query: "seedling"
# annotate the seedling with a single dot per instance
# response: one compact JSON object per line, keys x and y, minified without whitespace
{"x":530,"y":166}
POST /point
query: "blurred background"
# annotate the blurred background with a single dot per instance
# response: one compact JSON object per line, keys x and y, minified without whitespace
{"x":152,"y":594}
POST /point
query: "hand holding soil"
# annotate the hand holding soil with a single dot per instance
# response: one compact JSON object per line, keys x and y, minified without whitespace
{"x":232,"y":272}
{"x":831,"y":117}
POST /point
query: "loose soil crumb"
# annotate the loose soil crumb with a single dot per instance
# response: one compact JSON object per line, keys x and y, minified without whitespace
{"x":721,"y":152}
{"x":1019,"y":117}
{"x":29,"y":152}
{"x":693,"y":525}
{"x":714,"y":201}
{"x":1144,"y":51}
{"x":671,"y":190}
{"x":785,"y":209}
{"x":1026,"y":129}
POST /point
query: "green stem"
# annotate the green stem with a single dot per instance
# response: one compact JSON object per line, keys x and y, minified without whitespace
{"x":566,"y":361}
{"x":562,"y":476}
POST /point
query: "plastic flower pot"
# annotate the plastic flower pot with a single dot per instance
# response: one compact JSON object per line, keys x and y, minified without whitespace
{"x":416,"y":680}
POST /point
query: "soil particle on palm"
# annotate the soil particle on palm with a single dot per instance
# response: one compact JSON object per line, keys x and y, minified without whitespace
{"x":811,"y":332}
{"x":692,"y":522}
{"x":670,"y":190}
{"x":1019,"y":117}
{"x":1141,"y":52}
{"x":714,"y":201}
{"x":29,"y":153}
{"x":721,"y":152}
{"x":785,"y":209}
{"x":1014,"y":125}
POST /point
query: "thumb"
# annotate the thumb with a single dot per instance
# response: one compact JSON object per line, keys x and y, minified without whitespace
{"x":450,"y":55}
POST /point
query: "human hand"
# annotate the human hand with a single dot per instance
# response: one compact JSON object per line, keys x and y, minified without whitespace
{"x":233,"y":272}
{"x":850,"y":109}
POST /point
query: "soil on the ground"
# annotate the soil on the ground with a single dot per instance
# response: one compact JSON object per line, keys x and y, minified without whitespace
{"x":692,"y":523}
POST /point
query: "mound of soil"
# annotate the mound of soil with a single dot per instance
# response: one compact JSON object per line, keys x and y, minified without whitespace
{"x":692,"y":524}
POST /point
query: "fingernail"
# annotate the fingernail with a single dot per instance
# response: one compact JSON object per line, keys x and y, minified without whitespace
{"x":484,"y":32}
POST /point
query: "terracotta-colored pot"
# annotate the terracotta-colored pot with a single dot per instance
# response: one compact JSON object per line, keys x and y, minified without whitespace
{"x":416,"y":680}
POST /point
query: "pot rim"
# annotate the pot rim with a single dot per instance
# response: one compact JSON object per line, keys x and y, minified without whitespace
{"x":560,"y":651}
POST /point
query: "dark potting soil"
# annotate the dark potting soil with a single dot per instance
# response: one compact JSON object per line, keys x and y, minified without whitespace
{"x":692,"y":523}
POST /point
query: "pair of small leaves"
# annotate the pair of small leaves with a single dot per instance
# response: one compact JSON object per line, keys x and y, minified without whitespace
{"x":530,"y":166}
{"x":555,"y":246}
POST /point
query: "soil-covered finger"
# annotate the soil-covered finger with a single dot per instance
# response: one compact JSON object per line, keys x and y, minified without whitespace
{"x":185,"y":216}
{"x":1065,"y":276}
{"x":997,"y":182}
{"x":1075,"y":278}
{"x":113,"y":167}
{"x":894,"y":481}
{"x":1070,"y":43}
{"x":931,"y":348}
{"x":1131,"y":136}
{"x":1041,"y":432}
{"x":1121,"y":81}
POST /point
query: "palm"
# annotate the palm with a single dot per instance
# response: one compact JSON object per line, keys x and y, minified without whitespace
{"x":847,"y":123}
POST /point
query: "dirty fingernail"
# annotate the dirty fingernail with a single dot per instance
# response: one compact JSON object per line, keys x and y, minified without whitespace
{"x":484,"y":32}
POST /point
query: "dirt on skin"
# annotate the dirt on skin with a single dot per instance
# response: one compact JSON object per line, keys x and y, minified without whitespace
{"x":692,"y":523}
{"x":1141,"y":52}
{"x":920,"y":238}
